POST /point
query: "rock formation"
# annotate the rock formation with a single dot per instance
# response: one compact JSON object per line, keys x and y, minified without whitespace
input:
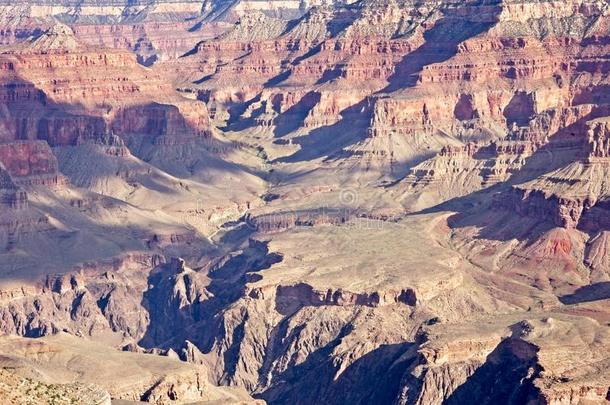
{"x":46,"y":368}
{"x":387,"y":201}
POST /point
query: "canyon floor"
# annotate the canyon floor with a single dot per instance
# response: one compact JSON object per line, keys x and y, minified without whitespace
{"x":305,"y":202}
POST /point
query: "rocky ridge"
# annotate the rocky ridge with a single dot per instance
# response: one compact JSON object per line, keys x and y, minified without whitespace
{"x":104,"y":373}
{"x":413,"y":190}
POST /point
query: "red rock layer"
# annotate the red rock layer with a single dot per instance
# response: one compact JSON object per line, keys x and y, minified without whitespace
{"x":68,"y":96}
{"x":30,"y":162}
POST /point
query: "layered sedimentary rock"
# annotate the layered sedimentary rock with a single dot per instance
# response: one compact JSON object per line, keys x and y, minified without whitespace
{"x":31,"y":163}
{"x":455,"y":366}
{"x":460,"y":98}
{"x":12,"y":196}
{"x":372,"y":202}
{"x":154,"y":31}
{"x":104,"y":373}
{"x":140,"y":28}
{"x":563,"y":196}
{"x":424,"y":52}
{"x":131,"y":103}
{"x":52,"y":120}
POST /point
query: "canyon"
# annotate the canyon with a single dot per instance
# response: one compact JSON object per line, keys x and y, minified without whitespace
{"x":300,"y":202}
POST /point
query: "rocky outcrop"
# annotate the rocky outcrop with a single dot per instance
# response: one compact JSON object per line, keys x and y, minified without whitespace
{"x":138,"y":27}
{"x":41,"y":95}
{"x":278,"y":222}
{"x":451,"y":369}
{"x":31,"y":163}
{"x":395,"y":188}
{"x":599,"y":139}
{"x":566,"y":194}
{"x":564,"y":212}
{"x":59,"y":38}
{"x":27,"y":164}
{"x":12,"y":196}
{"x":106,"y":373}
{"x":92,"y":300}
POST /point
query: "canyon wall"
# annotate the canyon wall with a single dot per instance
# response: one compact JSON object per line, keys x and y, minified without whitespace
{"x":369,"y":202}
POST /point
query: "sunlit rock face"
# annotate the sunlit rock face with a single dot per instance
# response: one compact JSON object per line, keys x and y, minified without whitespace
{"x":303,"y":202}
{"x":153,"y":30}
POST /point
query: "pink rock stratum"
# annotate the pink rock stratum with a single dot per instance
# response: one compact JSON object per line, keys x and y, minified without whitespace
{"x":305,"y":202}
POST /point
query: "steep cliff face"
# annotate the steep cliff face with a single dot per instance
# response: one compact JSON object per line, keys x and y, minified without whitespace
{"x":84,"y":129}
{"x":494,"y":108}
{"x":96,"y":115}
{"x":140,"y":27}
{"x":386,"y":201}
{"x":153,"y":30}
{"x":452,"y":366}
{"x":399,"y":68}
{"x":39,"y":106}
{"x":12,"y":196}
{"x":31,"y":163}
{"x":563,"y":196}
